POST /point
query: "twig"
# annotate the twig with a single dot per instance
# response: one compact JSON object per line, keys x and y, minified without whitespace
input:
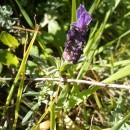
{"x":23,"y":29}
{"x":74,"y":80}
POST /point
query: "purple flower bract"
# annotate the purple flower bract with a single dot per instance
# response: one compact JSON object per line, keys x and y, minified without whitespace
{"x":83,"y":18}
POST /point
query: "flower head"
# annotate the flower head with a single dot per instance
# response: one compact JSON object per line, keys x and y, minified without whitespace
{"x":77,"y":36}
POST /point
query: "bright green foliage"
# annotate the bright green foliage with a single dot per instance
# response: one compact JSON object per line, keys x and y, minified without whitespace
{"x":9,"y":40}
{"x":7,"y":58}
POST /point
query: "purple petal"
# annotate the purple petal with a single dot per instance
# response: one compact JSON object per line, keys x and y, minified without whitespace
{"x":80,"y":10}
{"x":83,"y":21}
{"x":83,"y":18}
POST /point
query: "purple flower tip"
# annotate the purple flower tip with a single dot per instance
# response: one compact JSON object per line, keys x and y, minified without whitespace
{"x":83,"y":18}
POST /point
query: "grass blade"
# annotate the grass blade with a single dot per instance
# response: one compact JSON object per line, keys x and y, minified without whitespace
{"x":24,"y":13}
{"x":73,"y":11}
{"x":125,"y":71}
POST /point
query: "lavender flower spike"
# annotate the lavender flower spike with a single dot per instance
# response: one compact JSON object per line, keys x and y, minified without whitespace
{"x":77,"y":36}
{"x":83,"y":18}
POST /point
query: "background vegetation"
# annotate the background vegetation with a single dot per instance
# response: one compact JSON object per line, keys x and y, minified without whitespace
{"x":32,"y":37}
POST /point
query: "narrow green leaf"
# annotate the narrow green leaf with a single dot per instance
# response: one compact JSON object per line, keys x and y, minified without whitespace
{"x":125,"y":71}
{"x":7,"y":58}
{"x":18,"y":100}
{"x":24,"y":13}
{"x":121,"y":122}
{"x":1,"y":67}
{"x":114,"y":4}
{"x":52,"y":114}
{"x":29,"y":114}
{"x":94,"y":6}
{"x":8,"y":39}
{"x":73,"y":11}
